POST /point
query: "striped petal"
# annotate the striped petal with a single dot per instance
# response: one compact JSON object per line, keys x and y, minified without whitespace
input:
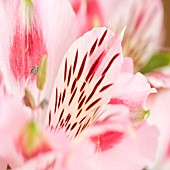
{"x":84,"y":81}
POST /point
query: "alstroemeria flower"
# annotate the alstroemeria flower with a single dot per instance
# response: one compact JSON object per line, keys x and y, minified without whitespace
{"x":81,"y":104}
{"x":86,"y":100}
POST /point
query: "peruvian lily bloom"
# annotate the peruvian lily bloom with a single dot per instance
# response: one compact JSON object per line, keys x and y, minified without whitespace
{"x":89,"y":104}
{"x":87,"y":100}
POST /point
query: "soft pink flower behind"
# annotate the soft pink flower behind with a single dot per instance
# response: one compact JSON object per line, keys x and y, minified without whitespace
{"x":143,"y":21}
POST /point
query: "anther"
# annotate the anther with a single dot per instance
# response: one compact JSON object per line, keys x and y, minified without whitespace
{"x":34,"y":70}
{"x":44,"y":103}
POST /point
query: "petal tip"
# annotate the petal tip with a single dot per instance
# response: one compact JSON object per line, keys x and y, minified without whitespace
{"x":121,"y":33}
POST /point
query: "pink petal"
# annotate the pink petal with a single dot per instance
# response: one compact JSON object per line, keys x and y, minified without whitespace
{"x":111,"y":118}
{"x":65,"y":156}
{"x":46,"y":162}
{"x":60,"y":32}
{"x":3,"y":88}
{"x":127,"y":65}
{"x":12,"y":119}
{"x":88,"y":14}
{"x":83,"y":84}
{"x":28,"y":45}
{"x":3,"y":164}
{"x":159,"y":79}
{"x":132,"y":152}
{"x":24,"y":44}
{"x":4,"y":45}
{"x":131,"y":90}
{"x":110,"y":127}
{"x":159,"y":108}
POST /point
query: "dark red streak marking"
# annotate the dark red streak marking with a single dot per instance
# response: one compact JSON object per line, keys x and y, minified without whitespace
{"x":73,"y":126}
{"x":69,"y":76}
{"x":110,"y":63}
{"x":67,"y":119}
{"x":79,"y":113}
{"x":81,"y":103}
{"x":63,"y":97}
{"x":95,"y":65}
{"x":85,"y":125}
{"x":59,"y":100}
{"x":93,"y":47}
{"x":49,"y":118}
{"x":75,"y":61}
{"x":61,"y":115}
{"x":92,"y":104}
{"x":62,"y":124}
{"x":68,"y":127}
{"x":81,"y":96}
{"x":102,"y":38}
{"x":65,"y":70}
{"x":82,"y":67}
{"x":95,"y":112}
{"x":72,"y":96}
{"x":73,"y":85}
{"x":82,"y":120}
{"x":78,"y":130}
{"x":82,"y":87}
{"x":94,"y":89}
{"x":56,"y":98}
{"x":105,"y":87}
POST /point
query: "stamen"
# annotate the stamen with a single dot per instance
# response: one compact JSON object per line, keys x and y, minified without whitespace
{"x":34,"y":70}
{"x":8,"y":167}
{"x":138,"y":116}
{"x":44,"y":103}
{"x":42,"y":73}
{"x":28,"y":99}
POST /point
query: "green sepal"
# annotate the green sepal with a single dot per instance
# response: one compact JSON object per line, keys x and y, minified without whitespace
{"x":158,"y":60}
